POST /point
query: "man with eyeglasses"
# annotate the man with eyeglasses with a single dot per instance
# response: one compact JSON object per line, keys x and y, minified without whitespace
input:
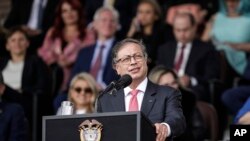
{"x":161,"y":104}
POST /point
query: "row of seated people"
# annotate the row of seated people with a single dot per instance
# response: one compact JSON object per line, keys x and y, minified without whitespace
{"x":195,"y":77}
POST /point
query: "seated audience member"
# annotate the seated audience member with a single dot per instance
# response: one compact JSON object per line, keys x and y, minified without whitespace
{"x":195,"y":126}
{"x":13,"y":124}
{"x":235,"y":98}
{"x":34,"y":16}
{"x":228,"y":28}
{"x":148,"y":27}
{"x":82,"y":93}
{"x":25,"y":75}
{"x":96,"y":58}
{"x":125,"y":8}
{"x":243,"y":116}
{"x":160,"y":104}
{"x":194,"y":61}
{"x":65,"y":38}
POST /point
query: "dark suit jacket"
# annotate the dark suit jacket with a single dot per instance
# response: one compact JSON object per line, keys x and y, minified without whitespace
{"x":21,"y":10}
{"x":13,"y":124}
{"x":160,"y":104}
{"x":34,"y":81}
{"x":83,"y":64}
{"x":203,"y":63}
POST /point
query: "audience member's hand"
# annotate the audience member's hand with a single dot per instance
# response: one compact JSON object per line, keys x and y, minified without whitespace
{"x":134,"y":27}
{"x":233,"y":45}
{"x":2,"y":88}
{"x":63,"y":61}
{"x":245,"y":119}
{"x":31,"y":32}
{"x":184,"y":81}
{"x":161,"y":131}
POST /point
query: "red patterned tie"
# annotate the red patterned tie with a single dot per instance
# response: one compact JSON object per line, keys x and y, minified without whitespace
{"x":133,"y":104}
{"x":98,"y":63}
{"x":179,"y":61}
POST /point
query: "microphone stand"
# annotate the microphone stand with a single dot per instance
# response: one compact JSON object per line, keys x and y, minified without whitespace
{"x":105,"y":91}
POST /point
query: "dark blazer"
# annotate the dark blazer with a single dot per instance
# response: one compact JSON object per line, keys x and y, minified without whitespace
{"x":83,"y":64}
{"x":13,"y":124}
{"x":203,"y":62}
{"x":35,"y":80}
{"x":21,"y":10}
{"x":160,"y":104}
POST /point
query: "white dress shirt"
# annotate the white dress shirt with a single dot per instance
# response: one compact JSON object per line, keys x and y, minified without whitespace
{"x":142,"y":89}
{"x":183,"y":66}
{"x":34,"y":14}
{"x":108,"y":45}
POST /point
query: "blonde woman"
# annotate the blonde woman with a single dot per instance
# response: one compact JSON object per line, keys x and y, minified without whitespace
{"x":82,"y":93}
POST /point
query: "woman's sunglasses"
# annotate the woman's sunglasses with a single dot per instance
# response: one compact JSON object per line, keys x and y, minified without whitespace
{"x":85,"y":90}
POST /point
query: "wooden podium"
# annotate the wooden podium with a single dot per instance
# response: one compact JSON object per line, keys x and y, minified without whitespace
{"x":117,"y":126}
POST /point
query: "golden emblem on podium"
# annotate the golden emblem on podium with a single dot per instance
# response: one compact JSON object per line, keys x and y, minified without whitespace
{"x":90,"y":130}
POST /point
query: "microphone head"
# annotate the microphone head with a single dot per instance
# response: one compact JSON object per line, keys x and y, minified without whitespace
{"x":123,"y":82}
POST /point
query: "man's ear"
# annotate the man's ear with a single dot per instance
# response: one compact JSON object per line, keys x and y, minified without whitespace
{"x":116,"y":68}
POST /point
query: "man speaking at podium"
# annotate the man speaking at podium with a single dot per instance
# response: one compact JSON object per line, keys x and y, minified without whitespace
{"x":161,"y":104}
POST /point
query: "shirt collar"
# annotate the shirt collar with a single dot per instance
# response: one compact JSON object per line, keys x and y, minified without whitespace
{"x":108,"y":43}
{"x":141,"y":87}
{"x":179,"y":44}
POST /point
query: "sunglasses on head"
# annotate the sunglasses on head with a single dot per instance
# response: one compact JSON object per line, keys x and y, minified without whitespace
{"x":85,"y":90}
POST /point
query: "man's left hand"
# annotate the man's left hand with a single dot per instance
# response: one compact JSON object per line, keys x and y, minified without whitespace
{"x":184,"y":80}
{"x":161,"y":131}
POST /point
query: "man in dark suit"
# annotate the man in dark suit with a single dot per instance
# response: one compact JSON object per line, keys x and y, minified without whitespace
{"x":162,"y":105}
{"x":35,"y":16}
{"x":194,"y":61}
{"x":21,"y":13}
{"x":96,"y":59}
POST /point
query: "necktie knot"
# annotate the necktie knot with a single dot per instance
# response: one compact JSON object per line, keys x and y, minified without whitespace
{"x":134,"y":92}
{"x":183,"y":46}
{"x":102,"y":47}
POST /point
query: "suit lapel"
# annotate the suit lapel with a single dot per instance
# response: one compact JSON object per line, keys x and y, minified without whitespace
{"x":118,"y":101}
{"x":192,"y":55}
{"x":172,"y":53}
{"x":148,"y":99}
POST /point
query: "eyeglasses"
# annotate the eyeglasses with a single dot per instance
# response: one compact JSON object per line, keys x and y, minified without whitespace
{"x":126,"y":60}
{"x":85,"y":90}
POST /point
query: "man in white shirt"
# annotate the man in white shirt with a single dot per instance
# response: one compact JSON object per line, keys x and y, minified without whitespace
{"x":162,"y":105}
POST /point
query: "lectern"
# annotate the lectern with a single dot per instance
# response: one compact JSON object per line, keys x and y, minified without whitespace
{"x":115,"y":126}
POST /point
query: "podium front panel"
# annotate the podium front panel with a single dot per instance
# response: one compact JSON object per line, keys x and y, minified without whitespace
{"x":116,"y":127}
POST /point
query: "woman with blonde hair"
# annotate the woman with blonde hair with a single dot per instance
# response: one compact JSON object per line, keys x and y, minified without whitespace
{"x":82,"y":93}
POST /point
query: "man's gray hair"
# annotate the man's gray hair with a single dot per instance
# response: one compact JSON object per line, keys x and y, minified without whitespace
{"x":120,"y":44}
{"x":107,"y":8}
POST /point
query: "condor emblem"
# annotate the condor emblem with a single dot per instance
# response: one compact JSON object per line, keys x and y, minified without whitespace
{"x":90,"y":130}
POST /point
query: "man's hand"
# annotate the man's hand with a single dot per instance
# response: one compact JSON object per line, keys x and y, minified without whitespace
{"x":184,"y":81}
{"x":161,"y":131}
{"x":31,"y":32}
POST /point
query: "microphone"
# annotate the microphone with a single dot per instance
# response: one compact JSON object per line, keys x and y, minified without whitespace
{"x":114,"y":86}
{"x":123,"y":82}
